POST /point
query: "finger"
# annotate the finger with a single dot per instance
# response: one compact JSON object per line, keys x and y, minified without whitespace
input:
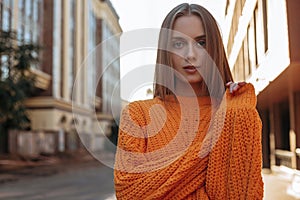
{"x":236,"y":88}
{"x":233,"y":87}
{"x":242,"y":83}
{"x":229,"y":83}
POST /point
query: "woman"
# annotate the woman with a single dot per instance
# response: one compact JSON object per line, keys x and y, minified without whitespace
{"x":193,"y":140}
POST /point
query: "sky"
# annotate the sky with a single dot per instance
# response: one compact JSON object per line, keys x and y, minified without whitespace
{"x":136,"y":17}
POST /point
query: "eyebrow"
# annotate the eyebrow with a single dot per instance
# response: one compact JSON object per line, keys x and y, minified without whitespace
{"x":196,"y":38}
{"x":200,"y":37}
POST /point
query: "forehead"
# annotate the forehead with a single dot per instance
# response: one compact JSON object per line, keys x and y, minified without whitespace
{"x":188,"y":25}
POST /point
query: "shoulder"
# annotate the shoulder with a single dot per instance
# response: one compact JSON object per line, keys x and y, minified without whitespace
{"x":137,"y":110}
{"x":245,"y":97}
{"x":142,"y":104}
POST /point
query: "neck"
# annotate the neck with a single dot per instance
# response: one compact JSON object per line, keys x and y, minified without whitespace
{"x":190,"y":89}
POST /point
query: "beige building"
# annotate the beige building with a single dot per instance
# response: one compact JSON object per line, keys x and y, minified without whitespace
{"x":262,"y":40}
{"x":79,"y":70}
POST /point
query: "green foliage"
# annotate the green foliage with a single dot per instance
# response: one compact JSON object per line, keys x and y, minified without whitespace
{"x":16,"y":80}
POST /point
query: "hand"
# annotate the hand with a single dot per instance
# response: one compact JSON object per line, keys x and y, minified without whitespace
{"x":234,"y":87}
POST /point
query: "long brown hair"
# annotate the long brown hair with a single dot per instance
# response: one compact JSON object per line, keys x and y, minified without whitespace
{"x":214,"y":47}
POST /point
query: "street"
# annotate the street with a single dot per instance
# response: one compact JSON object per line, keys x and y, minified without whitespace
{"x":91,"y":182}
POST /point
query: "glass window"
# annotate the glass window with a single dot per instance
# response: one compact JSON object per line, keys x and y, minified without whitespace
{"x":4,"y":67}
{"x":252,"y":44}
{"x":29,"y":23}
{"x":6,"y":19}
{"x":20,"y":32}
{"x":6,"y":14}
{"x":265,"y":23}
{"x":246,"y":57}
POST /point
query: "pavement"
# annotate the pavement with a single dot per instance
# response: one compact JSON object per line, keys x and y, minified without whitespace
{"x":14,"y":168}
{"x":75,"y":176}
{"x":280,"y":184}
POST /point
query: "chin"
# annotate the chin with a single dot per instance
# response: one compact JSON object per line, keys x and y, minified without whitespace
{"x":193,"y":81}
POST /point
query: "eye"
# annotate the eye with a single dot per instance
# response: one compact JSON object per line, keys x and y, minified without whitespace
{"x":178,"y":44}
{"x":201,"y":43}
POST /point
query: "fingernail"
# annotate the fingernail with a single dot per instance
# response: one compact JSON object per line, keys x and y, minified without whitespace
{"x":233,"y":87}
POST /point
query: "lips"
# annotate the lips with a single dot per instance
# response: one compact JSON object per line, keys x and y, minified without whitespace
{"x":190,"y":69}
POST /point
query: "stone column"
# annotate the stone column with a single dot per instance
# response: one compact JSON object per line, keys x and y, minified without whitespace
{"x":65,"y":58}
{"x":264,"y":114}
{"x":78,"y":51}
{"x":85,"y":51}
{"x":272,"y":136}
{"x":292,"y":132}
{"x":297,"y":127}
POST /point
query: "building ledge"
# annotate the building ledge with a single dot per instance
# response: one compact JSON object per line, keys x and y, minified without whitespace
{"x":102,"y":116}
{"x":53,"y":103}
{"x":42,"y":79}
{"x":284,"y":153}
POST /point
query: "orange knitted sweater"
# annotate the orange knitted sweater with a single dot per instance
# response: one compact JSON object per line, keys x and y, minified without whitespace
{"x":190,"y":149}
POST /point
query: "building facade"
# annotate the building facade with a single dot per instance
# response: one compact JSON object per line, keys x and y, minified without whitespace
{"x":261,"y":37}
{"x":79,"y":68}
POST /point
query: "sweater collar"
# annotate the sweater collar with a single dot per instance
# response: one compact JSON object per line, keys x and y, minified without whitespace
{"x":202,"y":100}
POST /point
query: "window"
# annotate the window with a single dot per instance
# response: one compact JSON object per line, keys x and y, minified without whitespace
{"x":251,"y":44}
{"x":260,"y":17}
{"x":110,"y":77}
{"x":6,"y":10}
{"x":91,"y":63}
{"x":258,"y":35}
{"x":29,"y":21}
{"x":6,"y":19}
{"x":265,"y":23}
{"x":246,"y":65}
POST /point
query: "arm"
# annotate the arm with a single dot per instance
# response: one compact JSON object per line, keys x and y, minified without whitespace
{"x":234,"y":170}
{"x":134,"y":175}
{"x":245,"y":178}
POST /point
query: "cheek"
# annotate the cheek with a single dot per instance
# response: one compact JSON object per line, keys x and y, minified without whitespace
{"x":176,"y":60}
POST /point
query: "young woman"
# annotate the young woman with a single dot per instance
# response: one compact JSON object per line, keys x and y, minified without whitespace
{"x":194,"y":139}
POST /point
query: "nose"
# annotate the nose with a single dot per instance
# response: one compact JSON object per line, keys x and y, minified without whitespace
{"x":190,"y":53}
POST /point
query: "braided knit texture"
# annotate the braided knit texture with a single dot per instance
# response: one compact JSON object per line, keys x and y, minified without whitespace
{"x":161,"y":144}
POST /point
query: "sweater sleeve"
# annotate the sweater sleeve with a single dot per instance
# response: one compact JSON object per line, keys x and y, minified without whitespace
{"x":133,"y":176}
{"x":245,"y":178}
{"x":234,"y":170}
{"x":130,"y":141}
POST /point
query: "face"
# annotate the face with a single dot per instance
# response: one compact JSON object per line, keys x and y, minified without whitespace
{"x":188,"y":46}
